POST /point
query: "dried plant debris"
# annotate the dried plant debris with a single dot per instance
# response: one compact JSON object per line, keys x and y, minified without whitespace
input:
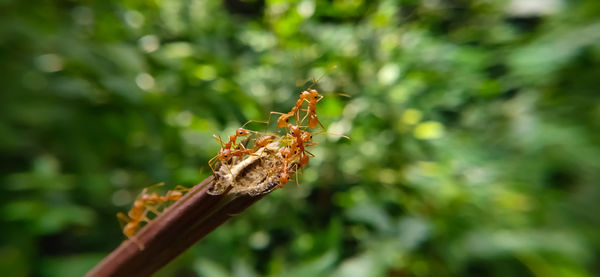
{"x":252,"y":174}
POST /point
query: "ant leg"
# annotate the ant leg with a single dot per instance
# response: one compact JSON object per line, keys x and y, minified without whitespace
{"x":297,"y":117}
{"x":158,"y":184}
{"x":241,"y":145}
{"x":181,"y":188}
{"x":287,"y":140}
{"x":271,"y":113}
{"x":132,"y":237}
{"x":305,"y":116}
{"x":298,"y":122}
{"x":260,"y":157}
{"x":332,"y":134}
{"x":320,"y":124}
{"x":311,"y":154}
{"x":145,"y":217}
{"x":218,"y":139}
{"x":316,"y":81}
{"x":153,"y":210}
{"x":257,"y":121}
{"x":296,"y":173}
{"x":123,"y":219}
{"x":210,"y":164}
{"x":280,"y":123}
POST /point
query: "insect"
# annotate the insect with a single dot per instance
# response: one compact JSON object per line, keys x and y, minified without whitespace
{"x":262,"y":142}
{"x":142,"y":205}
{"x":293,"y":150}
{"x":296,"y":139}
{"x":171,"y":195}
{"x":312,"y":96}
{"x":286,"y":155}
{"x":304,"y":140}
{"x":240,"y":132}
{"x":283,"y":119}
{"x":134,"y":218}
{"x":225,"y":153}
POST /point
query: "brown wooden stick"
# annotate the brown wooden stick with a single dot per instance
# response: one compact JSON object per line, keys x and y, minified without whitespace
{"x":184,"y":223}
{"x":201,"y":210}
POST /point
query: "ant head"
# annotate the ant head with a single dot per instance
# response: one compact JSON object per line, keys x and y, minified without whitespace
{"x":295,"y":130}
{"x":313,"y":93}
{"x":241,"y":132}
{"x":305,"y":95}
{"x":306,"y":136}
{"x":283,"y":120}
{"x":224,"y":155}
{"x":218,"y":139}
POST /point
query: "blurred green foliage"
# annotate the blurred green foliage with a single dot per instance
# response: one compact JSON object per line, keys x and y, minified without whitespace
{"x":475,"y":131}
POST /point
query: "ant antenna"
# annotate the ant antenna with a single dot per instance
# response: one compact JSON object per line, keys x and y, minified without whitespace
{"x":327,"y":72}
{"x":257,"y":121}
{"x":332,"y":134}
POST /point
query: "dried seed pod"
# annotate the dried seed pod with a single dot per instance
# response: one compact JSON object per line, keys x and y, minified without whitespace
{"x":253,"y":174}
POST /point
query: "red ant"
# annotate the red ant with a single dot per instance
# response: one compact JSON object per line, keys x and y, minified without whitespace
{"x":312,"y":96}
{"x":262,"y":142}
{"x":304,"y":140}
{"x":141,"y":206}
{"x":240,"y":132}
{"x":135,"y":217}
{"x":284,"y":177}
{"x":306,"y":95}
{"x":299,"y":140}
{"x":226,"y":153}
{"x":171,"y":195}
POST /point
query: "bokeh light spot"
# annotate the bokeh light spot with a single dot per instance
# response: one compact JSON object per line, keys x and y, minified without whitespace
{"x":429,"y":130}
{"x":149,"y":43}
{"x":411,"y":116}
{"x":49,"y":63}
{"x":145,"y":81}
